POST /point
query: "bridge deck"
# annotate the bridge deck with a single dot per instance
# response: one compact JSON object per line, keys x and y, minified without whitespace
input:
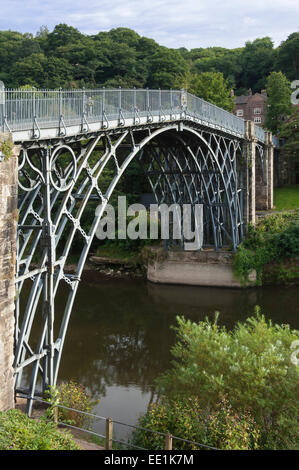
{"x":31,"y":114}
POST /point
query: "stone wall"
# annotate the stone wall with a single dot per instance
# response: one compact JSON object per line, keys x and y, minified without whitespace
{"x":194,"y":268}
{"x":8,"y":224}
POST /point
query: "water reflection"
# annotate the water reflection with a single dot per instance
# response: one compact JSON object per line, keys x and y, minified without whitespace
{"x":119,"y":335}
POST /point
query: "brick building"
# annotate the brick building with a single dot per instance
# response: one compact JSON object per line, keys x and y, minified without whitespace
{"x":252,"y":107}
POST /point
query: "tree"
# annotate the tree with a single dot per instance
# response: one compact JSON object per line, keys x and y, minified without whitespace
{"x":165,"y":65}
{"x":209,"y":86}
{"x":10,"y":42}
{"x":249,"y":365}
{"x":29,"y":70}
{"x":288,"y":56}
{"x":290,"y":132}
{"x":279,"y":101}
{"x":61,"y":36}
{"x":120,"y":57}
{"x":58,"y":72}
{"x":257,"y":62}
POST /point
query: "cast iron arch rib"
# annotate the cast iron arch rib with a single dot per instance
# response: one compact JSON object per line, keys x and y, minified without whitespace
{"x":57,"y":196}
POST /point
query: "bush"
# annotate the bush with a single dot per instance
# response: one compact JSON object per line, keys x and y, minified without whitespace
{"x":274,"y":238}
{"x":250,"y":366}
{"x":18,"y":432}
{"x":184,"y":417}
{"x":72,"y":395}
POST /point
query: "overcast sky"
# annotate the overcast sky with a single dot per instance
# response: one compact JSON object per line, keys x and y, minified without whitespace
{"x":172,"y":23}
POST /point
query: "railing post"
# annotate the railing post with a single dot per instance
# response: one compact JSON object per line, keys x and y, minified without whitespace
{"x":2,"y":105}
{"x":135,"y":104}
{"x":119,"y":100}
{"x":83,"y":103}
{"x":60,"y":103}
{"x":168,"y":442}
{"x":55,"y":415}
{"x":33,"y":105}
{"x":109,"y":431}
{"x":103,"y":103}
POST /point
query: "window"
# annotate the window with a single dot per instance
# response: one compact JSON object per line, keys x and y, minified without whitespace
{"x":257,"y":120}
{"x":240,"y":112}
{"x":257,"y":111}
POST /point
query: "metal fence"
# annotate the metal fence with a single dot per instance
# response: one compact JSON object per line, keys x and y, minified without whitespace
{"x":22,"y":109}
{"x":214,"y":115}
{"x":27,"y":108}
{"x":108,"y":437}
{"x":259,"y":133}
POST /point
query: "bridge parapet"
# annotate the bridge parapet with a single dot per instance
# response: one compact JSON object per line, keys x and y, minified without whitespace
{"x":75,"y":111}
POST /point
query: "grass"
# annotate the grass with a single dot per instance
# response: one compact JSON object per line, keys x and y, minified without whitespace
{"x":286,"y":198}
{"x":114,"y":251}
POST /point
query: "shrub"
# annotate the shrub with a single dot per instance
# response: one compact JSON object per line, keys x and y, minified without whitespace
{"x":183,"y":417}
{"x":18,"y":432}
{"x":273,"y":239}
{"x":250,"y":366}
{"x":72,"y":395}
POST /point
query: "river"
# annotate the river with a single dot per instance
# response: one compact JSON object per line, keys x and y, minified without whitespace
{"x":119,"y":336}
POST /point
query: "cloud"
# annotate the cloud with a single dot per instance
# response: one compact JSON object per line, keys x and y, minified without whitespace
{"x":173,"y":23}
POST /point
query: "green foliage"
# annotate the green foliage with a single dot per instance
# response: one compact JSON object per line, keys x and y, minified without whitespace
{"x":120,"y":57}
{"x":165,"y":65}
{"x":71,"y":395}
{"x":18,"y":432}
{"x":233,"y":430}
{"x":257,"y":61}
{"x":129,"y":245}
{"x":288,"y":57}
{"x":279,"y":100}
{"x":250,"y":366}
{"x":185,"y":418}
{"x":211,"y":86}
{"x":274,"y":238}
{"x":289,"y":132}
{"x":6,"y":147}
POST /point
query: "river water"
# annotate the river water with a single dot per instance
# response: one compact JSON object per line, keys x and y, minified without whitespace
{"x":119,"y":336}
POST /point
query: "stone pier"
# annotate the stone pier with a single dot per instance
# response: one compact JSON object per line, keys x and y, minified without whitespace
{"x":195,"y":268}
{"x":258,"y":174}
{"x":264,"y":177}
{"x":249,"y":174}
{"x":8,"y":225}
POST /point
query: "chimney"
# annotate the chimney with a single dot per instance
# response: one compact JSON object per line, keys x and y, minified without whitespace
{"x":232,"y":93}
{"x":250,"y":92}
{"x":264,"y":92}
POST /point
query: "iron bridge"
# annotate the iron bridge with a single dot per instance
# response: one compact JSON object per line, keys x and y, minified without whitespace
{"x":75,"y":145}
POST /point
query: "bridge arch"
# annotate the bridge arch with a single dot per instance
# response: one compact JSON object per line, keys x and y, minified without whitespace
{"x":57,"y":194}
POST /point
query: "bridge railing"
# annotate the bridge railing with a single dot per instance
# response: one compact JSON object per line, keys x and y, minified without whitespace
{"x":259,"y":133}
{"x":25,"y":108}
{"x":214,"y":115}
{"x":22,"y":107}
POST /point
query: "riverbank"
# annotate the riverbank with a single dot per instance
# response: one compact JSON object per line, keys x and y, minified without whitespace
{"x":101,"y":269}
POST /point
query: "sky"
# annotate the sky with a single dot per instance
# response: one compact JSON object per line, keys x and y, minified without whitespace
{"x":172,"y":23}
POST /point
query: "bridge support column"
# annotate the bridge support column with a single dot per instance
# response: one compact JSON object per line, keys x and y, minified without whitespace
{"x":8,"y":226}
{"x":270,"y":165}
{"x":249,"y":180}
{"x":264,"y":176}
